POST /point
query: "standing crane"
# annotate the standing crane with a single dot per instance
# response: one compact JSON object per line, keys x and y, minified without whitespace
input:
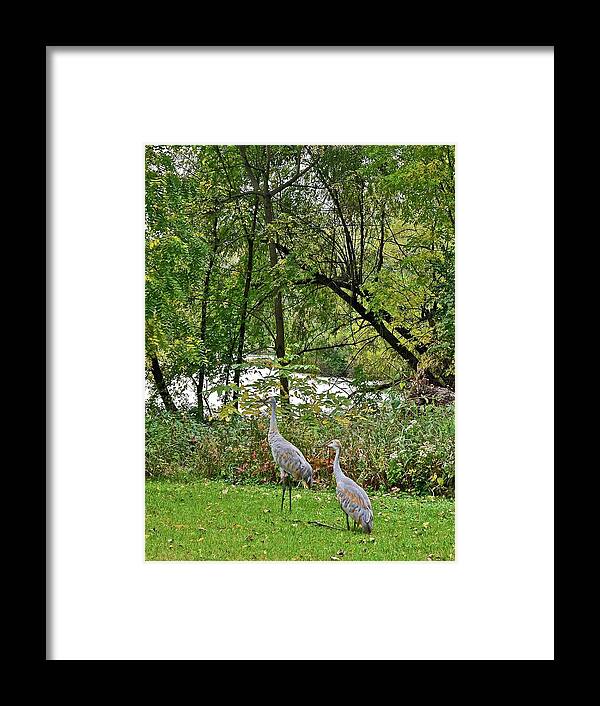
{"x":290,"y":461}
{"x":353,"y":499}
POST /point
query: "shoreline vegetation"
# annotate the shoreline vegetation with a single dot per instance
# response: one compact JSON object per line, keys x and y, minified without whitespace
{"x":398,"y":445}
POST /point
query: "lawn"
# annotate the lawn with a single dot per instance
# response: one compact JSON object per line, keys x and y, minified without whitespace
{"x":215,"y":520}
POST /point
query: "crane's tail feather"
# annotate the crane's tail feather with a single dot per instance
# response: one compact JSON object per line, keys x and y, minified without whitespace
{"x":367,"y":523}
{"x":307,"y":475}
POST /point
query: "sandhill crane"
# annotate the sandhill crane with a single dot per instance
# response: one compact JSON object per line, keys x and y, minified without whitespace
{"x":353,"y":499}
{"x":290,"y":461}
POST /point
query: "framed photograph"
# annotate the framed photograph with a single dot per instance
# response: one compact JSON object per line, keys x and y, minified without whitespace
{"x":295,"y":375}
{"x":300,"y":339}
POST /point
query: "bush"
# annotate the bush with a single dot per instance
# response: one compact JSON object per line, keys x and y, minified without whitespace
{"x":393,"y":444}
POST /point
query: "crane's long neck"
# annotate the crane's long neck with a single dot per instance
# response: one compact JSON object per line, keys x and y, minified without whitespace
{"x":339,"y":474}
{"x":273,"y":425}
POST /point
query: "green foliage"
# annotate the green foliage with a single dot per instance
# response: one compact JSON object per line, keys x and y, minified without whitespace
{"x":333,"y":362}
{"x":421,"y":456}
{"x":376,"y":220}
{"x":399,"y":446}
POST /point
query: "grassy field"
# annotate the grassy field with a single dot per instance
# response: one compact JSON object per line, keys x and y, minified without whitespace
{"x":214,"y":520}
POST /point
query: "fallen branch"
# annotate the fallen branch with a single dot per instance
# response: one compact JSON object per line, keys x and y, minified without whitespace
{"x":321,"y":524}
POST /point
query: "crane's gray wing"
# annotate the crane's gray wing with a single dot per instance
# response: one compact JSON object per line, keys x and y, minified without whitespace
{"x":290,"y":459}
{"x":353,"y":491}
{"x":355,"y":502}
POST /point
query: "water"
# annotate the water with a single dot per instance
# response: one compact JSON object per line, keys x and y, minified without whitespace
{"x":303,"y":388}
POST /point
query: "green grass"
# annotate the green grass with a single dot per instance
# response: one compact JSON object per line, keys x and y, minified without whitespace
{"x":215,"y":520}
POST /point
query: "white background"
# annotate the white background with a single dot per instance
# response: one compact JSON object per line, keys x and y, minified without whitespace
{"x":496,"y":600}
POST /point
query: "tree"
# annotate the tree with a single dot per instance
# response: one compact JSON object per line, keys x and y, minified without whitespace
{"x":335,"y":255}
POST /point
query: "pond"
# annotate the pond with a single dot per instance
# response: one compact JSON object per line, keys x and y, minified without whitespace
{"x":303,"y":388}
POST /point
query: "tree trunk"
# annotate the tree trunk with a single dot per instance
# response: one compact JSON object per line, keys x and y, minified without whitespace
{"x":161,"y":386}
{"x":205,"y":291}
{"x":199,"y":398}
{"x":230,"y":361}
{"x":277,"y":304}
{"x":266,"y":197}
{"x":245,"y":296}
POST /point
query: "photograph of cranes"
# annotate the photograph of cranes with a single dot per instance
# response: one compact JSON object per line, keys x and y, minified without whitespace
{"x":299,"y":304}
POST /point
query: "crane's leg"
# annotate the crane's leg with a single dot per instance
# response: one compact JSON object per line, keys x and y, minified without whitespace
{"x":283,"y":492}
{"x":290,"y":490}
{"x":347,"y":521}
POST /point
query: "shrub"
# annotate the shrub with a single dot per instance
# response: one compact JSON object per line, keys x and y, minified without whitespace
{"x":394,"y":444}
